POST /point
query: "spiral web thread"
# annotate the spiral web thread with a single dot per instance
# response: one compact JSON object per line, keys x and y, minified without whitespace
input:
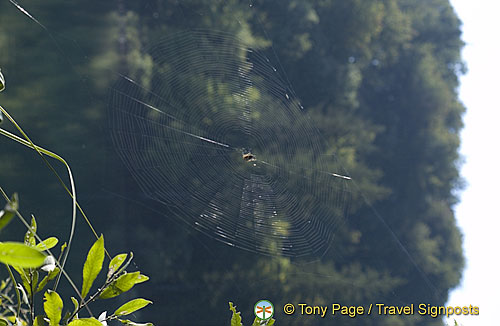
{"x":219,"y":139}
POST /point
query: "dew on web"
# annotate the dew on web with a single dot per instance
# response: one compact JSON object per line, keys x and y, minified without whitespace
{"x":219,"y":137}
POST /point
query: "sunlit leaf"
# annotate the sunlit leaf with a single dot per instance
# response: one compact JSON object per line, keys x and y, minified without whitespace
{"x":75,"y":304}
{"x":93,"y":265}
{"x":3,"y":322}
{"x":115,"y":263}
{"x":132,"y":323}
{"x":40,"y":321}
{"x":23,"y":292}
{"x":29,"y":238}
{"x":18,"y":254}
{"x":85,"y":322}
{"x":24,"y":278}
{"x":53,"y":306}
{"x":132,"y":306}
{"x":34,"y":279}
{"x":236,"y":318}
{"x":9,"y":211}
{"x":122,"y":284}
{"x":48,"y":278}
{"x":63,"y":247}
{"x":48,"y":243}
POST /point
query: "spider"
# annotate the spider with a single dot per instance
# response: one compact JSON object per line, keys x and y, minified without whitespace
{"x":248,"y":157}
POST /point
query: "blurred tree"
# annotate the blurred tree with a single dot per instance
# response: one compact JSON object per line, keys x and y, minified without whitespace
{"x":378,"y":78}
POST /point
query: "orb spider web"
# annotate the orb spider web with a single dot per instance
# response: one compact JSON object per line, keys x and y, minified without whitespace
{"x":219,"y":139}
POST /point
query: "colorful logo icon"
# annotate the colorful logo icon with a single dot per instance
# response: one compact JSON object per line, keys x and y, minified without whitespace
{"x":263,"y":309}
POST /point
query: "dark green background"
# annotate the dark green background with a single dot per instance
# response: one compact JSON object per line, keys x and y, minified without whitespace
{"x":378,"y":78}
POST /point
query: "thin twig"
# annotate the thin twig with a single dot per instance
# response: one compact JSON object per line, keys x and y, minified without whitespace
{"x":11,"y":275}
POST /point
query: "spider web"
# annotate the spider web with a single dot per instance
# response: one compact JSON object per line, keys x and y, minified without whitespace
{"x":220,"y":140}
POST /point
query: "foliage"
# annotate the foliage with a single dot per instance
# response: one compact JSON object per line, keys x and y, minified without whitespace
{"x":30,"y":274}
{"x":33,"y":258}
{"x":236,"y":318}
{"x":378,"y":78}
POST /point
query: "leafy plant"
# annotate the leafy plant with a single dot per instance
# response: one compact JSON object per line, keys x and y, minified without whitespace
{"x":33,"y":259}
{"x":236,"y":318}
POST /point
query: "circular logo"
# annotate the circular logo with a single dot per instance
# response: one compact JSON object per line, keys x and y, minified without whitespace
{"x":263,"y":309}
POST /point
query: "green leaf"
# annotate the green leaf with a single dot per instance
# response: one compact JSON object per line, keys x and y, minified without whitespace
{"x":3,"y":322}
{"x":132,"y":306}
{"x":3,"y":285}
{"x":48,"y":278}
{"x":29,"y":238}
{"x":141,"y":278}
{"x":23,"y":273}
{"x":115,"y":263}
{"x":93,"y":265}
{"x":75,"y":303}
{"x":70,"y":313}
{"x":34,"y":279}
{"x":132,"y":323}
{"x":40,"y":321}
{"x":236,"y":318}
{"x":48,"y":243}
{"x":9,"y":211}
{"x":85,"y":322}
{"x":18,"y":254}
{"x":122,"y":284}
{"x":63,"y":247}
{"x":53,"y":306}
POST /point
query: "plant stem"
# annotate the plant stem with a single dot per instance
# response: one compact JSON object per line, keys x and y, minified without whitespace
{"x":94,"y":296}
{"x":17,"y":291}
{"x":32,"y":298}
{"x":23,"y":220}
{"x":27,"y":142}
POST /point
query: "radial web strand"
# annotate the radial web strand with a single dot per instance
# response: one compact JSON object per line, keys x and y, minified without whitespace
{"x":218,"y":138}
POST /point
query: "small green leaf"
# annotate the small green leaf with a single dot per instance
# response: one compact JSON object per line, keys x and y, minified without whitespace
{"x":93,"y":265}
{"x":18,"y":254}
{"x":3,"y":285}
{"x":85,"y":322}
{"x":29,"y":238}
{"x":34,"y":278}
{"x":53,"y":306}
{"x":236,"y":318}
{"x":3,"y":322}
{"x":75,"y":304}
{"x":115,"y":263}
{"x":132,"y":306}
{"x":63,"y":247}
{"x":141,"y":278}
{"x":132,"y":323}
{"x":48,"y":243}
{"x":122,"y":284}
{"x":24,"y":278}
{"x":40,"y":321}
{"x":48,"y":278}
{"x":9,"y":211}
